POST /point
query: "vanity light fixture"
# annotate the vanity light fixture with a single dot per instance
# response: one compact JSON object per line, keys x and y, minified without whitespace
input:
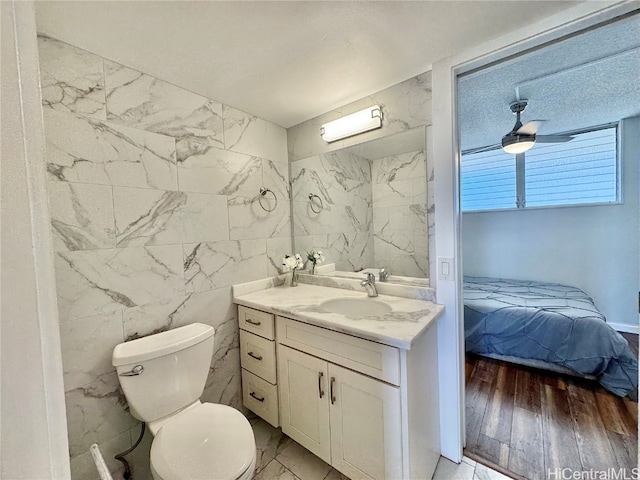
{"x":359,"y":122}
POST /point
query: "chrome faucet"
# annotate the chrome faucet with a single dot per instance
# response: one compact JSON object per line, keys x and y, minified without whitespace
{"x":384,"y":274}
{"x":370,"y":284}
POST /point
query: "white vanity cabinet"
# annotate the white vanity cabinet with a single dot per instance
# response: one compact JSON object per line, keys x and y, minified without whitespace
{"x":258,"y":362}
{"x":346,"y":418}
{"x":304,"y":400}
{"x":343,"y":398}
{"x":366,"y":403}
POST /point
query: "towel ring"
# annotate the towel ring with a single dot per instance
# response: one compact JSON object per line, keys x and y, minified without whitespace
{"x":311,"y":197}
{"x":263,"y":192}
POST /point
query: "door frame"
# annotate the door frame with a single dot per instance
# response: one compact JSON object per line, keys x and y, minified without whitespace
{"x":446,"y":154}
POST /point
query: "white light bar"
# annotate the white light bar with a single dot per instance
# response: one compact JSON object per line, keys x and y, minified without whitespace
{"x":359,"y":122}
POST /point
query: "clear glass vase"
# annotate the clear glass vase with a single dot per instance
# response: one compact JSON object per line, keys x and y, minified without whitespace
{"x":312,"y":268}
{"x":293,"y":279}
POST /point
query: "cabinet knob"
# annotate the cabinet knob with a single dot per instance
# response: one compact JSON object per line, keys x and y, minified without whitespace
{"x":253,"y":322}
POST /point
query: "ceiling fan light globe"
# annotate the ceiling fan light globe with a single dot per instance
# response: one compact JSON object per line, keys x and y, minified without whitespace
{"x":515,"y":144}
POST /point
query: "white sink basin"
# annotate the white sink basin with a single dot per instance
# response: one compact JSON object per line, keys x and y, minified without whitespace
{"x":356,"y":307}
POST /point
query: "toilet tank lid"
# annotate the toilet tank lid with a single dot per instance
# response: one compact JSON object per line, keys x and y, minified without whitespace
{"x":160,"y":344}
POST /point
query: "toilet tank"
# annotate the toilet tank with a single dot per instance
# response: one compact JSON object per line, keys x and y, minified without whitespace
{"x":174,"y":370}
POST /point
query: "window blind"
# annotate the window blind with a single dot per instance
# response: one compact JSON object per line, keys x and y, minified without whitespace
{"x":582,"y":171}
{"x":488,"y":181}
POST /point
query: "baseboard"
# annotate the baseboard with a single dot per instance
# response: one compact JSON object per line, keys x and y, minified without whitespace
{"x":623,"y":327}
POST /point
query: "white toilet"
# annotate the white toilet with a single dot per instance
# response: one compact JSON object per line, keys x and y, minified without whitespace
{"x":163,"y":376}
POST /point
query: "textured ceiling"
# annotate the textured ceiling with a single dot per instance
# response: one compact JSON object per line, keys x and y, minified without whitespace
{"x":587,"y":80}
{"x":286,"y":62}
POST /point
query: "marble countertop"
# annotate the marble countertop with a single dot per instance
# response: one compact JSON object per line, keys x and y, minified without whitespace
{"x":399,"y":328}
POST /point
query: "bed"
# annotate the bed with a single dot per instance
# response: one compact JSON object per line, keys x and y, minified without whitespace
{"x":547,"y":325}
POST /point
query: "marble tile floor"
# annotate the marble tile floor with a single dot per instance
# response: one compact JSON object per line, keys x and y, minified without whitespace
{"x":280,"y":458}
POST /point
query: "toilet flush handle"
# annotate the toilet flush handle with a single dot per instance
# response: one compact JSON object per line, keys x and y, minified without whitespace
{"x":137,"y":370}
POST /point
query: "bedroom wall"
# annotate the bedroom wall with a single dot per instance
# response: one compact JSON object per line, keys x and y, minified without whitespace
{"x":593,"y":248}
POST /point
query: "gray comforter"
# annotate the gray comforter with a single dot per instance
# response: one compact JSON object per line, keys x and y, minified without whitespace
{"x":549,"y":322}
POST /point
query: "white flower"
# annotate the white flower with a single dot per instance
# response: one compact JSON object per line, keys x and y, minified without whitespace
{"x":292,"y":261}
{"x":315,"y":257}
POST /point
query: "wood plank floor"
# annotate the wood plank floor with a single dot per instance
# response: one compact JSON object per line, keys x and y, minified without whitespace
{"x":526,"y":421}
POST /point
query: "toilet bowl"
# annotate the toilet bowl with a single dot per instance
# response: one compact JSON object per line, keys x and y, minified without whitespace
{"x":207,"y":441}
{"x":163,"y":376}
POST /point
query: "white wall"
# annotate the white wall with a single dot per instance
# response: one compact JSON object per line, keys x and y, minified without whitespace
{"x":34,"y":435}
{"x":593,"y":248}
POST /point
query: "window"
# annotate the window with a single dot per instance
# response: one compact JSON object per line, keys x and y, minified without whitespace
{"x":488,"y":180}
{"x":582,"y":171}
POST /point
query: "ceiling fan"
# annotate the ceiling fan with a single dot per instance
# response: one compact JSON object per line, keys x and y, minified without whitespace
{"x":522,"y":137}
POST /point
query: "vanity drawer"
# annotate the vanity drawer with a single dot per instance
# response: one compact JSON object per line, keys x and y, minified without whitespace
{"x":258,"y":355}
{"x":255,"y":321}
{"x":260,"y":397}
{"x":371,"y":358}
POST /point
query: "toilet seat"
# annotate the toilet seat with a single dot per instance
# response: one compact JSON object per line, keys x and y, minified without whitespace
{"x":206,"y":442}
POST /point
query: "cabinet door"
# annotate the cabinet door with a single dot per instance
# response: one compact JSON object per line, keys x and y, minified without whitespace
{"x":366,"y":437}
{"x":304,"y":400}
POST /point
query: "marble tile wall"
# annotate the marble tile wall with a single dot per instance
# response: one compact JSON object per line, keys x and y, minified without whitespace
{"x":399,"y":190}
{"x":153,"y":192}
{"x":406,"y":105}
{"x":341,"y":226}
{"x":370,"y":213}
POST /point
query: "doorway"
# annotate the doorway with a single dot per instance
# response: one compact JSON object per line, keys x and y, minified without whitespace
{"x":529,"y":420}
